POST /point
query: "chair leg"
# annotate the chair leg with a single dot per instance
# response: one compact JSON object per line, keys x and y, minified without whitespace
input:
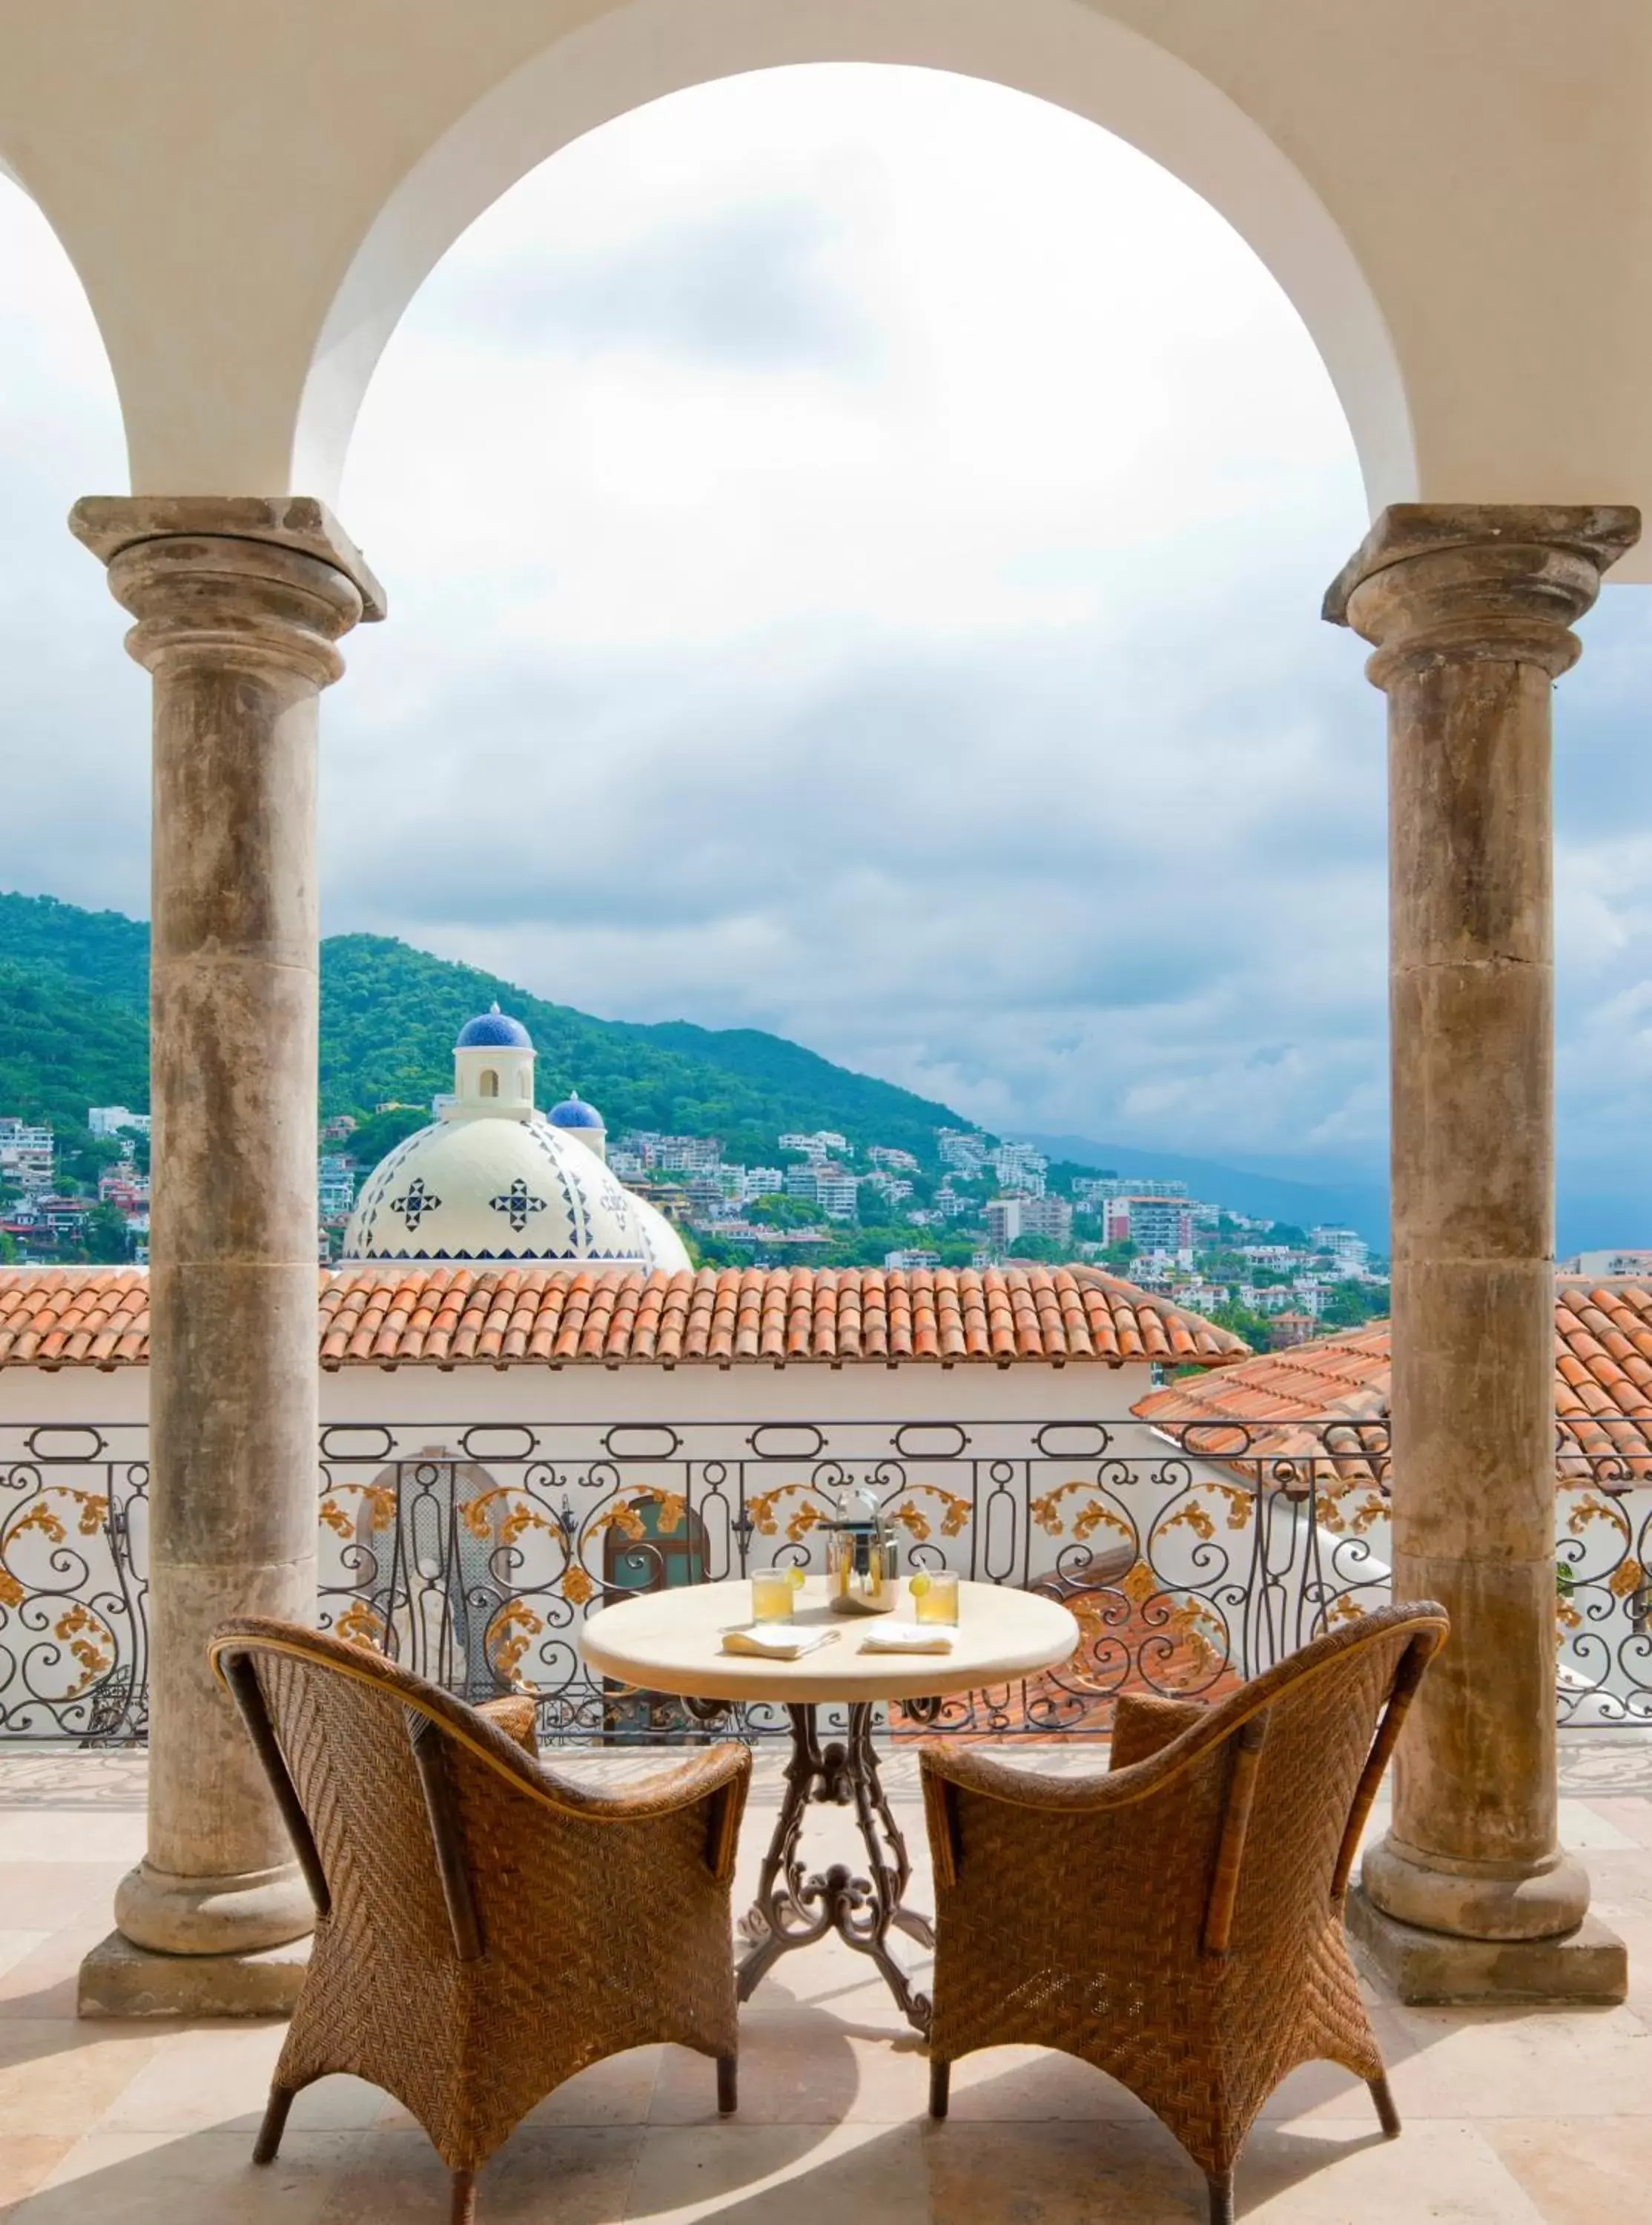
{"x":940,"y":2087}
{"x":464,"y":2208}
{"x":1221,"y":2186}
{"x":1385,"y":2108}
{"x":728,"y":2084}
{"x":275,"y":2124}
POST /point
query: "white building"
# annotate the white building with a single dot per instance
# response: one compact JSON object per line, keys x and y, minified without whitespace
{"x":1610,"y":1266}
{"x":824,"y":1144}
{"x":1153,"y":1224}
{"x":111,"y":1119}
{"x":335,"y":1186}
{"x":961,"y":1148}
{"x":890,"y":1161}
{"x":1050,"y":1217}
{"x":1001,"y":1218}
{"x":1021,"y":1167}
{"x":1348,"y":1250}
{"x":27,"y":1155}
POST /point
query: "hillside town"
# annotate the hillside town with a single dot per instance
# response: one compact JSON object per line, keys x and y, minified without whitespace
{"x":822,"y":1201}
{"x":980,"y":1202}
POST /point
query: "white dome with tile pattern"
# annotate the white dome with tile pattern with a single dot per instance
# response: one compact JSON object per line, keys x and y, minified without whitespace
{"x":490,"y":1178}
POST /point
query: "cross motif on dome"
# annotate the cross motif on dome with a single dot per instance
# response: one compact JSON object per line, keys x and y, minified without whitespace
{"x":517,"y":1202}
{"x":415,"y":1202}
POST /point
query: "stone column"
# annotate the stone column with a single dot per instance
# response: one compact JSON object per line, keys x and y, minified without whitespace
{"x":239,"y":604}
{"x":1470,"y":609}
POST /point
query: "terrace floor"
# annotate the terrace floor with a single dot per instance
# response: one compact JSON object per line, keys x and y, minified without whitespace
{"x":1507,"y":2117}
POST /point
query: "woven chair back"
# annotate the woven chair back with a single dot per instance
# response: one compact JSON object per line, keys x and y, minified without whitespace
{"x":1294,"y":1775}
{"x":344,"y":1735}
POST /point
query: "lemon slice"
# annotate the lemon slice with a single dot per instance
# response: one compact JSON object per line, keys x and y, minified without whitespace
{"x":794,"y":1578}
{"x":920,"y":1584}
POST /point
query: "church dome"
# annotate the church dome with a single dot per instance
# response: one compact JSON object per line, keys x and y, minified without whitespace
{"x":490,"y":1178}
{"x":491,"y":1028}
{"x":504,"y":1188}
{"x":574,"y":1113}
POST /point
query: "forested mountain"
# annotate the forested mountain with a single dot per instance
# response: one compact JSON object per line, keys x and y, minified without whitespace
{"x":73,"y":1001}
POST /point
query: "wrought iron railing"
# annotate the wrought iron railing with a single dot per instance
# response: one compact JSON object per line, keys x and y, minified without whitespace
{"x":473,"y":1551}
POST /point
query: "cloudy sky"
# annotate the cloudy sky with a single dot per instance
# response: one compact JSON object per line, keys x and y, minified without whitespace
{"x":854,"y":540}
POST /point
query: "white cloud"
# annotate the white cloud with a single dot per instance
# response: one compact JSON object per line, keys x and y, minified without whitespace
{"x":854,"y":542}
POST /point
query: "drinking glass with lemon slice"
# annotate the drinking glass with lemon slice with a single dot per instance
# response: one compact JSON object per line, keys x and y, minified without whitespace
{"x":774,"y":1594}
{"x":934,"y":1595}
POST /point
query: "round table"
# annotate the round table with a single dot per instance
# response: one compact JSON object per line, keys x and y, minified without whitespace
{"x":671,"y":1641}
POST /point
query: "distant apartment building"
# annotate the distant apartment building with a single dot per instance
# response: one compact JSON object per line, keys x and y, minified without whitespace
{"x":889,"y":1161}
{"x":26,"y":1156}
{"x":909,"y":1262}
{"x":110,"y":1119}
{"x":1001,"y":1218}
{"x":1100,"y":1189}
{"x":335,"y":1187}
{"x":1607,"y":1266}
{"x":337,"y":1128}
{"x":707,"y":1199}
{"x":950,"y":1205}
{"x":839,"y":1196}
{"x":894,"y":1189}
{"x":1021,"y":1167}
{"x":1347,"y":1249}
{"x":1153,"y":1224}
{"x":962,"y":1149}
{"x":646,"y":1148}
{"x":686,"y":1154}
{"x":1050,"y":1217}
{"x":760,"y":1181}
{"x":828,"y":1188}
{"x":822,"y":1145}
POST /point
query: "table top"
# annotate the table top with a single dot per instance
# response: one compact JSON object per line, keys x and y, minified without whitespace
{"x":670,"y":1641}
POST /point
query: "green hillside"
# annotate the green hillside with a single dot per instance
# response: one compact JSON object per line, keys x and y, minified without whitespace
{"x":73,"y":999}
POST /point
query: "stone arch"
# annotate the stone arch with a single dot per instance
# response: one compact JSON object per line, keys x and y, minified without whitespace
{"x":489,"y":1084}
{"x":1058,"y":50}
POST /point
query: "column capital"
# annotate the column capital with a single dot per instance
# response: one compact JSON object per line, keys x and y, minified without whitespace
{"x":237,"y":580}
{"x":1499,"y":582}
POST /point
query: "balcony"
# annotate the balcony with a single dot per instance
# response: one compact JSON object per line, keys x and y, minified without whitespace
{"x":1195,"y":1549}
{"x":1508,"y":2117}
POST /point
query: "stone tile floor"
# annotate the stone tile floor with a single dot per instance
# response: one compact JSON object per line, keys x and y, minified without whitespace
{"x":1508,"y":2117}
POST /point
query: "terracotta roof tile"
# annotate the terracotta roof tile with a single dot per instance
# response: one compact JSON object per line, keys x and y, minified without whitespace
{"x":432,"y":1314}
{"x":1602,"y":1396}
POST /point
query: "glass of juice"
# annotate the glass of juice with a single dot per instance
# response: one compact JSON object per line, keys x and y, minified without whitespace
{"x":774,"y":1593}
{"x":934,"y":1595}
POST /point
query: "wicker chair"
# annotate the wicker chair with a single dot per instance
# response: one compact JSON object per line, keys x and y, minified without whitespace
{"x":1178,"y":1921}
{"x":484,"y":1927}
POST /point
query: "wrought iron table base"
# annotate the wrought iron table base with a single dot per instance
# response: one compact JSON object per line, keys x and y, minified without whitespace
{"x":795,"y":1907}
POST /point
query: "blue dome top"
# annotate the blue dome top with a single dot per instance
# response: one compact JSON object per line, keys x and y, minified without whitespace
{"x":574,"y":1113}
{"x":493,"y":1027}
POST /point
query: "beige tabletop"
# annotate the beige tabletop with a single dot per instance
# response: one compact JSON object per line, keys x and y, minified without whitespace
{"x":671,"y":1641}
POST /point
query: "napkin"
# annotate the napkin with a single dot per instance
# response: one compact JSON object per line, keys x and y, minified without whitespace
{"x":776,"y":1641}
{"x":907,"y":1638}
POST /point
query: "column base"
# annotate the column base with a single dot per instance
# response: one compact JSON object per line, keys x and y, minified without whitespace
{"x":120,"y":1980}
{"x":211,"y":1915}
{"x":1546,"y":1898}
{"x":1587,"y":1967}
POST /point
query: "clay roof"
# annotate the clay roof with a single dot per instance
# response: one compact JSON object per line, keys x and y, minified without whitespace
{"x":1255,"y":1412}
{"x":389,"y":1313}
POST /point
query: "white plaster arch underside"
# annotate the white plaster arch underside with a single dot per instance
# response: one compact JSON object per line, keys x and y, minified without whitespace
{"x":1457,"y":201}
{"x":1062,"y":51}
